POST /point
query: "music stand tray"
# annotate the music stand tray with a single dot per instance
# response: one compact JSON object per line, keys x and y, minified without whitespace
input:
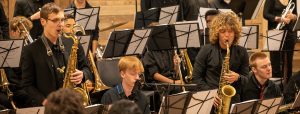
{"x":138,"y":42}
{"x":10,"y":53}
{"x":249,"y":38}
{"x":201,"y":102}
{"x":168,"y":15}
{"x":187,"y":34}
{"x":268,"y":106}
{"x":175,"y":103}
{"x":274,"y":40}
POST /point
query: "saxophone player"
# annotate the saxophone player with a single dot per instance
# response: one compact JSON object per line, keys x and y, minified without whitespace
{"x":225,"y":28}
{"x":44,"y":61}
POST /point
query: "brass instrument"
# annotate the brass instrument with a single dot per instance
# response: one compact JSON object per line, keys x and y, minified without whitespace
{"x":5,"y":84}
{"x":99,"y":52}
{"x":289,"y":8}
{"x":179,"y":74}
{"x":72,"y":63}
{"x":225,"y":91}
{"x":99,"y":85}
{"x":28,"y":39}
{"x":187,"y":65}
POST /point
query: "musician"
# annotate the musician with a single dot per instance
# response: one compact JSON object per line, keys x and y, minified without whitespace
{"x":77,"y":4}
{"x":31,"y":10}
{"x":43,"y":72}
{"x":259,"y":85}
{"x":282,"y":61}
{"x":3,"y":24}
{"x":17,"y":31}
{"x":124,"y":107}
{"x":292,"y":88}
{"x":130,"y":68}
{"x":225,"y":27}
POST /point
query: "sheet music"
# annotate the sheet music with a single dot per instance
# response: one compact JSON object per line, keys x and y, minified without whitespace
{"x":245,"y":107}
{"x":69,"y":11}
{"x":168,"y":15}
{"x":10,"y":53}
{"x":175,"y":104}
{"x":31,"y":110}
{"x":87,"y":18}
{"x":201,"y":102}
{"x":187,"y":35}
{"x":249,"y":38}
{"x":138,"y":41}
{"x":269,"y":106}
{"x":274,"y":40}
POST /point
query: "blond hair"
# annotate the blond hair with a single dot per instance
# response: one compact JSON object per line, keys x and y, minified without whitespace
{"x":222,"y":21}
{"x":130,"y":62}
{"x":256,"y":55}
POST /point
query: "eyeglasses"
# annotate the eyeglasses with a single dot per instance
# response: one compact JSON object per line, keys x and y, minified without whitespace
{"x":57,"y":20}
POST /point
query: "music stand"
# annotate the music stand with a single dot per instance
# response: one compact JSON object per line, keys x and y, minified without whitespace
{"x":31,"y":110}
{"x":201,"y":102}
{"x":201,"y":16}
{"x":85,"y":42}
{"x":10,"y":53}
{"x":275,"y":39}
{"x":97,"y":109}
{"x":109,"y":72}
{"x":174,"y":104}
{"x":268,"y":106}
{"x":168,"y":15}
{"x":249,"y":11}
{"x":162,"y":34}
{"x":297,"y":24}
{"x":296,"y":103}
{"x":144,"y":18}
{"x":7,"y":111}
{"x":249,"y":38}
{"x":187,"y":34}
{"x":117,"y":43}
{"x":86,"y":17}
{"x":138,"y":41}
{"x":246,"y":107}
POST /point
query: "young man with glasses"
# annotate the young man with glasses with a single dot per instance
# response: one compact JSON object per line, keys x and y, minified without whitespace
{"x":44,"y":59}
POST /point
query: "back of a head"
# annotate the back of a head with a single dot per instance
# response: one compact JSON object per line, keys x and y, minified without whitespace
{"x":64,"y":101}
{"x":124,"y":107}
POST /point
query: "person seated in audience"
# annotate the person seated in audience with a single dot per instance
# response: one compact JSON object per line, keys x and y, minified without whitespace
{"x":130,"y":69}
{"x":64,"y":101}
{"x":124,"y":107}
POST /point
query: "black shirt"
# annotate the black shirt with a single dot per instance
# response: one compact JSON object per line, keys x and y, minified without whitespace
{"x":117,"y":93}
{"x":3,"y":24}
{"x":253,"y":90}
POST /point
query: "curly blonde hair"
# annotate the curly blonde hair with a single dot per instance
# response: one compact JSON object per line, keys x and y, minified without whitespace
{"x":222,"y":21}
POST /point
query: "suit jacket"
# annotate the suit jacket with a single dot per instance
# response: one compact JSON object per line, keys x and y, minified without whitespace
{"x":38,"y":74}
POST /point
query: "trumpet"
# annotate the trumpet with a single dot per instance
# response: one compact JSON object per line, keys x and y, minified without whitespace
{"x":289,"y":8}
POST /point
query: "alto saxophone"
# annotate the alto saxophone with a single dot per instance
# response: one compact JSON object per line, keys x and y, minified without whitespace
{"x":225,"y":91}
{"x":4,"y":84}
{"x":99,"y":85}
{"x":71,"y":68}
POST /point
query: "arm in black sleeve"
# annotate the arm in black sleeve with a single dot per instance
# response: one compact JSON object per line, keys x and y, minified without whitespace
{"x":268,"y":8}
{"x":29,"y":77}
{"x":150,"y":64}
{"x":3,"y":24}
{"x":199,"y":71}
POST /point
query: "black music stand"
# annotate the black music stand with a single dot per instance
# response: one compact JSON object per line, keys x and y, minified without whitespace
{"x":187,"y":34}
{"x":138,"y":41}
{"x":162,"y":34}
{"x":174,"y":104}
{"x":246,"y":107}
{"x":10,"y":53}
{"x":268,"y":106}
{"x":86,"y":17}
{"x":249,"y":38}
{"x":144,"y":18}
{"x":168,"y":15}
{"x":31,"y":110}
{"x":274,"y":40}
{"x":201,"y":16}
{"x":117,"y":43}
{"x":85,"y":42}
{"x":201,"y":102}
{"x":297,"y":24}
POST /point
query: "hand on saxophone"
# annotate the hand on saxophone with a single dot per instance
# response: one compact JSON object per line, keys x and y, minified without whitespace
{"x":217,"y":101}
{"x":76,"y":77}
{"x":231,"y":77}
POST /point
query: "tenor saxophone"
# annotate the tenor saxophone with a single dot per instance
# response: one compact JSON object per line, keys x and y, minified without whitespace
{"x":225,"y":91}
{"x":72,"y":63}
{"x":4,"y":84}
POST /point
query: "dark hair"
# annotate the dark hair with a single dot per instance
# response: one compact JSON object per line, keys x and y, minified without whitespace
{"x":124,"y":107}
{"x":64,"y":101}
{"x":69,"y":16}
{"x":48,"y":9}
{"x":211,"y":13}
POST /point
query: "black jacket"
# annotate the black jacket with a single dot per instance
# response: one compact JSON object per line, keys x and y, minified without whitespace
{"x":292,"y":88}
{"x":39,"y":77}
{"x":3,"y":24}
